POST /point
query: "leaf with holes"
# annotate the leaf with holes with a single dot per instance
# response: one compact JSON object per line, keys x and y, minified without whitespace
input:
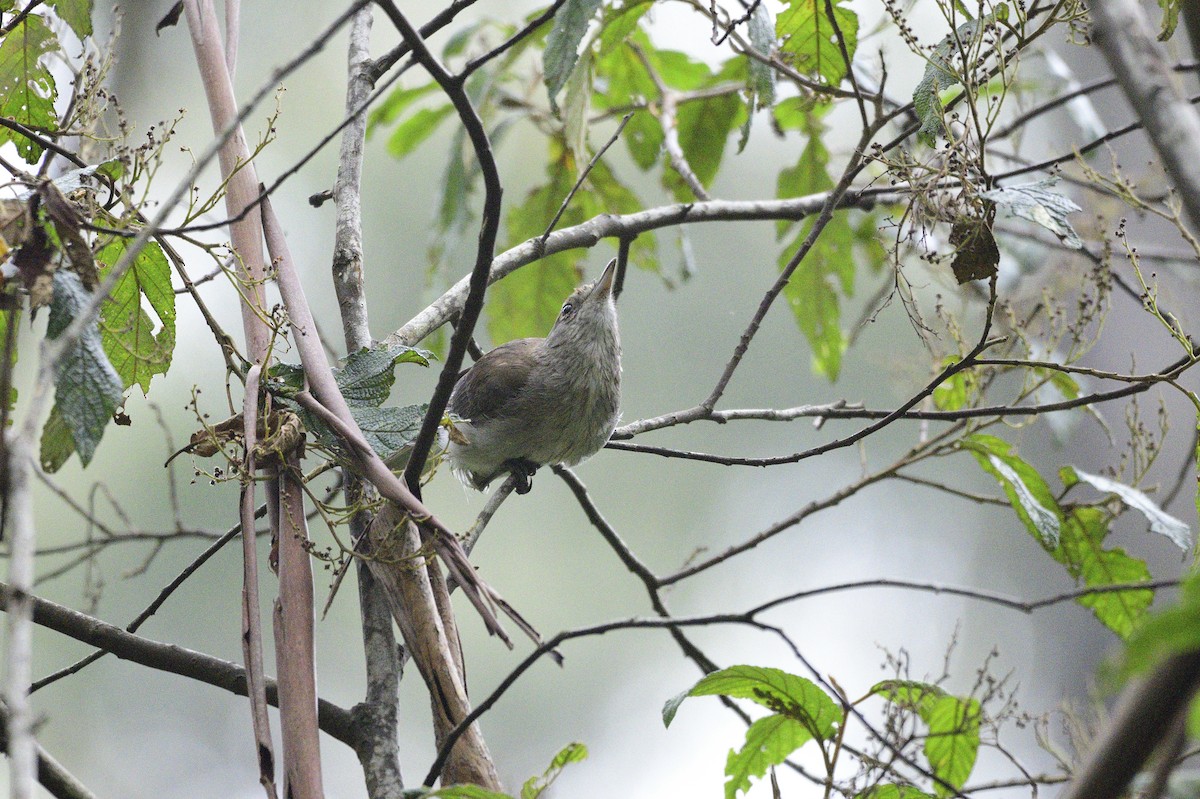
{"x":810,"y":42}
{"x":137,"y":351}
{"x":27,"y":89}
{"x":788,"y":694}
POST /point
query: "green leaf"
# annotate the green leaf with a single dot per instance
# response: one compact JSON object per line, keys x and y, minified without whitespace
{"x":1035,"y":202}
{"x":618,"y":23}
{"x":1168,"y":632}
{"x":562,"y":44}
{"x":1081,"y":550}
{"x":677,"y":69}
{"x":953,"y":741}
{"x":128,"y":333}
{"x":810,"y":42}
{"x":388,"y":111}
{"x":463,"y":792}
{"x":576,"y":107}
{"x":6,"y":318}
{"x":416,"y":129}
{"x":1027,"y":492}
{"x":956,"y":392}
{"x":536,"y":786}
{"x":1170,"y":19}
{"x":644,"y":138}
{"x":762,"y":38}
{"x":366,"y":376}
{"x":87,"y":388}
{"x":811,"y":174}
{"x":769,"y":741}
{"x":526,"y":302}
{"x":57,"y":446}
{"x":27,"y":89}
{"x":1161,"y":522}
{"x":911,"y":694}
{"x":893,"y":792}
{"x":615,"y":197}
{"x":788,"y":694}
{"x":76,"y":13}
{"x":389,"y":430}
{"x":704,"y":127}
{"x":941,"y":75}
{"x":812,"y":295}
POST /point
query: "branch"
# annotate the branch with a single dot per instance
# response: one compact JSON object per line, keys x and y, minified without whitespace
{"x":335,"y":721}
{"x":587,"y":234}
{"x":455,"y":90}
{"x":61,"y":783}
{"x":377,"y":715}
{"x":1140,"y":65}
{"x":252,"y":646}
{"x":295,"y":649}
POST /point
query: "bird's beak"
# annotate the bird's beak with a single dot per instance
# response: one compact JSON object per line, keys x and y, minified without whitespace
{"x":603,"y":287}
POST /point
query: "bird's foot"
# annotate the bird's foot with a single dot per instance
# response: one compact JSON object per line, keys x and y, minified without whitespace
{"x":522,"y":471}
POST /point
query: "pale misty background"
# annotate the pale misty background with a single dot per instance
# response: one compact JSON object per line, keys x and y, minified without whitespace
{"x":130,"y":732}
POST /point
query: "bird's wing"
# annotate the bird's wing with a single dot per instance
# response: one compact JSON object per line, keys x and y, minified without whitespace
{"x":495,"y":380}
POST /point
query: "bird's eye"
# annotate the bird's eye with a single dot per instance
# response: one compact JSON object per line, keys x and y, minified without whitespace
{"x":567,"y":308}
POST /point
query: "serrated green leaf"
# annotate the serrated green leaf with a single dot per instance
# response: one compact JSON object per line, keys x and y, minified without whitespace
{"x":409,"y":134}
{"x":536,"y":786}
{"x":809,"y":40}
{"x":76,"y":13}
{"x":769,"y":741}
{"x":812,"y":295}
{"x":366,"y":376}
{"x":704,"y":129}
{"x":1170,"y":19}
{"x":1035,"y":202}
{"x":136,"y":350}
{"x":940,"y":73}
{"x":27,"y":88}
{"x":1027,"y":492}
{"x":953,"y":741}
{"x":87,"y":390}
{"x":1081,"y":550}
{"x":562,"y":44}
{"x":57,"y":446}
{"x":395,"y":104}
{"x":788,"y":694}
{"x":914,"y":695}
{"x":1160,"y":521}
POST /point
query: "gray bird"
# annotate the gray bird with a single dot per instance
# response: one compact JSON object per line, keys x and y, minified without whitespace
{"x":537,"y":401}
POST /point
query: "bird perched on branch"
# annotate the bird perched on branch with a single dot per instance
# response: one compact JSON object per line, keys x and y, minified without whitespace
{"x":537,"y":401}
